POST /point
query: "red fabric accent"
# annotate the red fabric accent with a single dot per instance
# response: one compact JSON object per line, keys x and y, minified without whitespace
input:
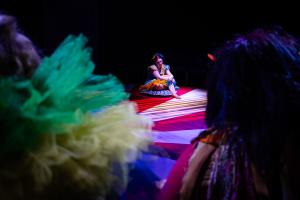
{"x":171,"y":190}
{"x":212,"y":57}
{"x":186,"y":122}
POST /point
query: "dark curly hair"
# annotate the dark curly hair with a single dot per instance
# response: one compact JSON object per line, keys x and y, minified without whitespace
{"x":18,"y":55}
{"x":255,"y":84}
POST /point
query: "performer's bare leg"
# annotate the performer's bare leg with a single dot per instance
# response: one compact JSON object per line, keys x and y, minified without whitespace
{"x":173,"y":91}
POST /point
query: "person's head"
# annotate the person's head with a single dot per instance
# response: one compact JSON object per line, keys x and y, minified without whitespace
{"x":252,"y":77}
{"x":255,"y":83}
{"x":157,"y":59}
{"x":18,"y":55}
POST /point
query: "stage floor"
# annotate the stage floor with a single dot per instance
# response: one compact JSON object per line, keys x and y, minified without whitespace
{"x":176,"y":122}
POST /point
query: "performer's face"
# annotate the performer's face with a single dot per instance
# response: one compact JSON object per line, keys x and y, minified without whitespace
{"x":159,"y":61}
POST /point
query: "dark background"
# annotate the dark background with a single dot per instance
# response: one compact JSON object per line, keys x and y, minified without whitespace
{"x":124,"y":34}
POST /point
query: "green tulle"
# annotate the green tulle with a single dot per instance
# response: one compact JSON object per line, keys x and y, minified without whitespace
{"x":67,"y":75}
{"x":61,"y":90}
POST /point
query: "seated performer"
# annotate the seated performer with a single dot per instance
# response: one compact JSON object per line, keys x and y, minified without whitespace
{"x":160,"y":81}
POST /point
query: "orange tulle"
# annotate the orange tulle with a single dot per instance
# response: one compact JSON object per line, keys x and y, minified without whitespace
{"x":154,"y":85}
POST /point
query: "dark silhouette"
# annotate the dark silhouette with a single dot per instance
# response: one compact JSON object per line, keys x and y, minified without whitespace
{"x":250,"y":149}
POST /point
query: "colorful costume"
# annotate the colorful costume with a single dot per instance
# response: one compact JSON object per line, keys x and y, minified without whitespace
{"x":66,"y":131}
{"x":220,"y":168}
{"x":150,"y":86}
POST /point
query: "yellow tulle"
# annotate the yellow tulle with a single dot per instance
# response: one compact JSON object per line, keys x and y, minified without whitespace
{"x":86,"y":155}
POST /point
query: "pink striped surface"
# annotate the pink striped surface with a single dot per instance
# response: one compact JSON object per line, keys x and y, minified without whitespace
{"x":176,"y":121}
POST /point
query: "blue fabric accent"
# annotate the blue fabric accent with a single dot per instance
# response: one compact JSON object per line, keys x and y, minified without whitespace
{"x":157,"y":92}
{"x":171,"y":82}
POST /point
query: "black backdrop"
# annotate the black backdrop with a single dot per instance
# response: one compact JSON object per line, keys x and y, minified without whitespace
{"x":124,"y":34}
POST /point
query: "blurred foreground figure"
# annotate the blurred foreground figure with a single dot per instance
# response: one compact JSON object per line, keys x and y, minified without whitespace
{"x":65,"y":133}
{"x":250,"y":149}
